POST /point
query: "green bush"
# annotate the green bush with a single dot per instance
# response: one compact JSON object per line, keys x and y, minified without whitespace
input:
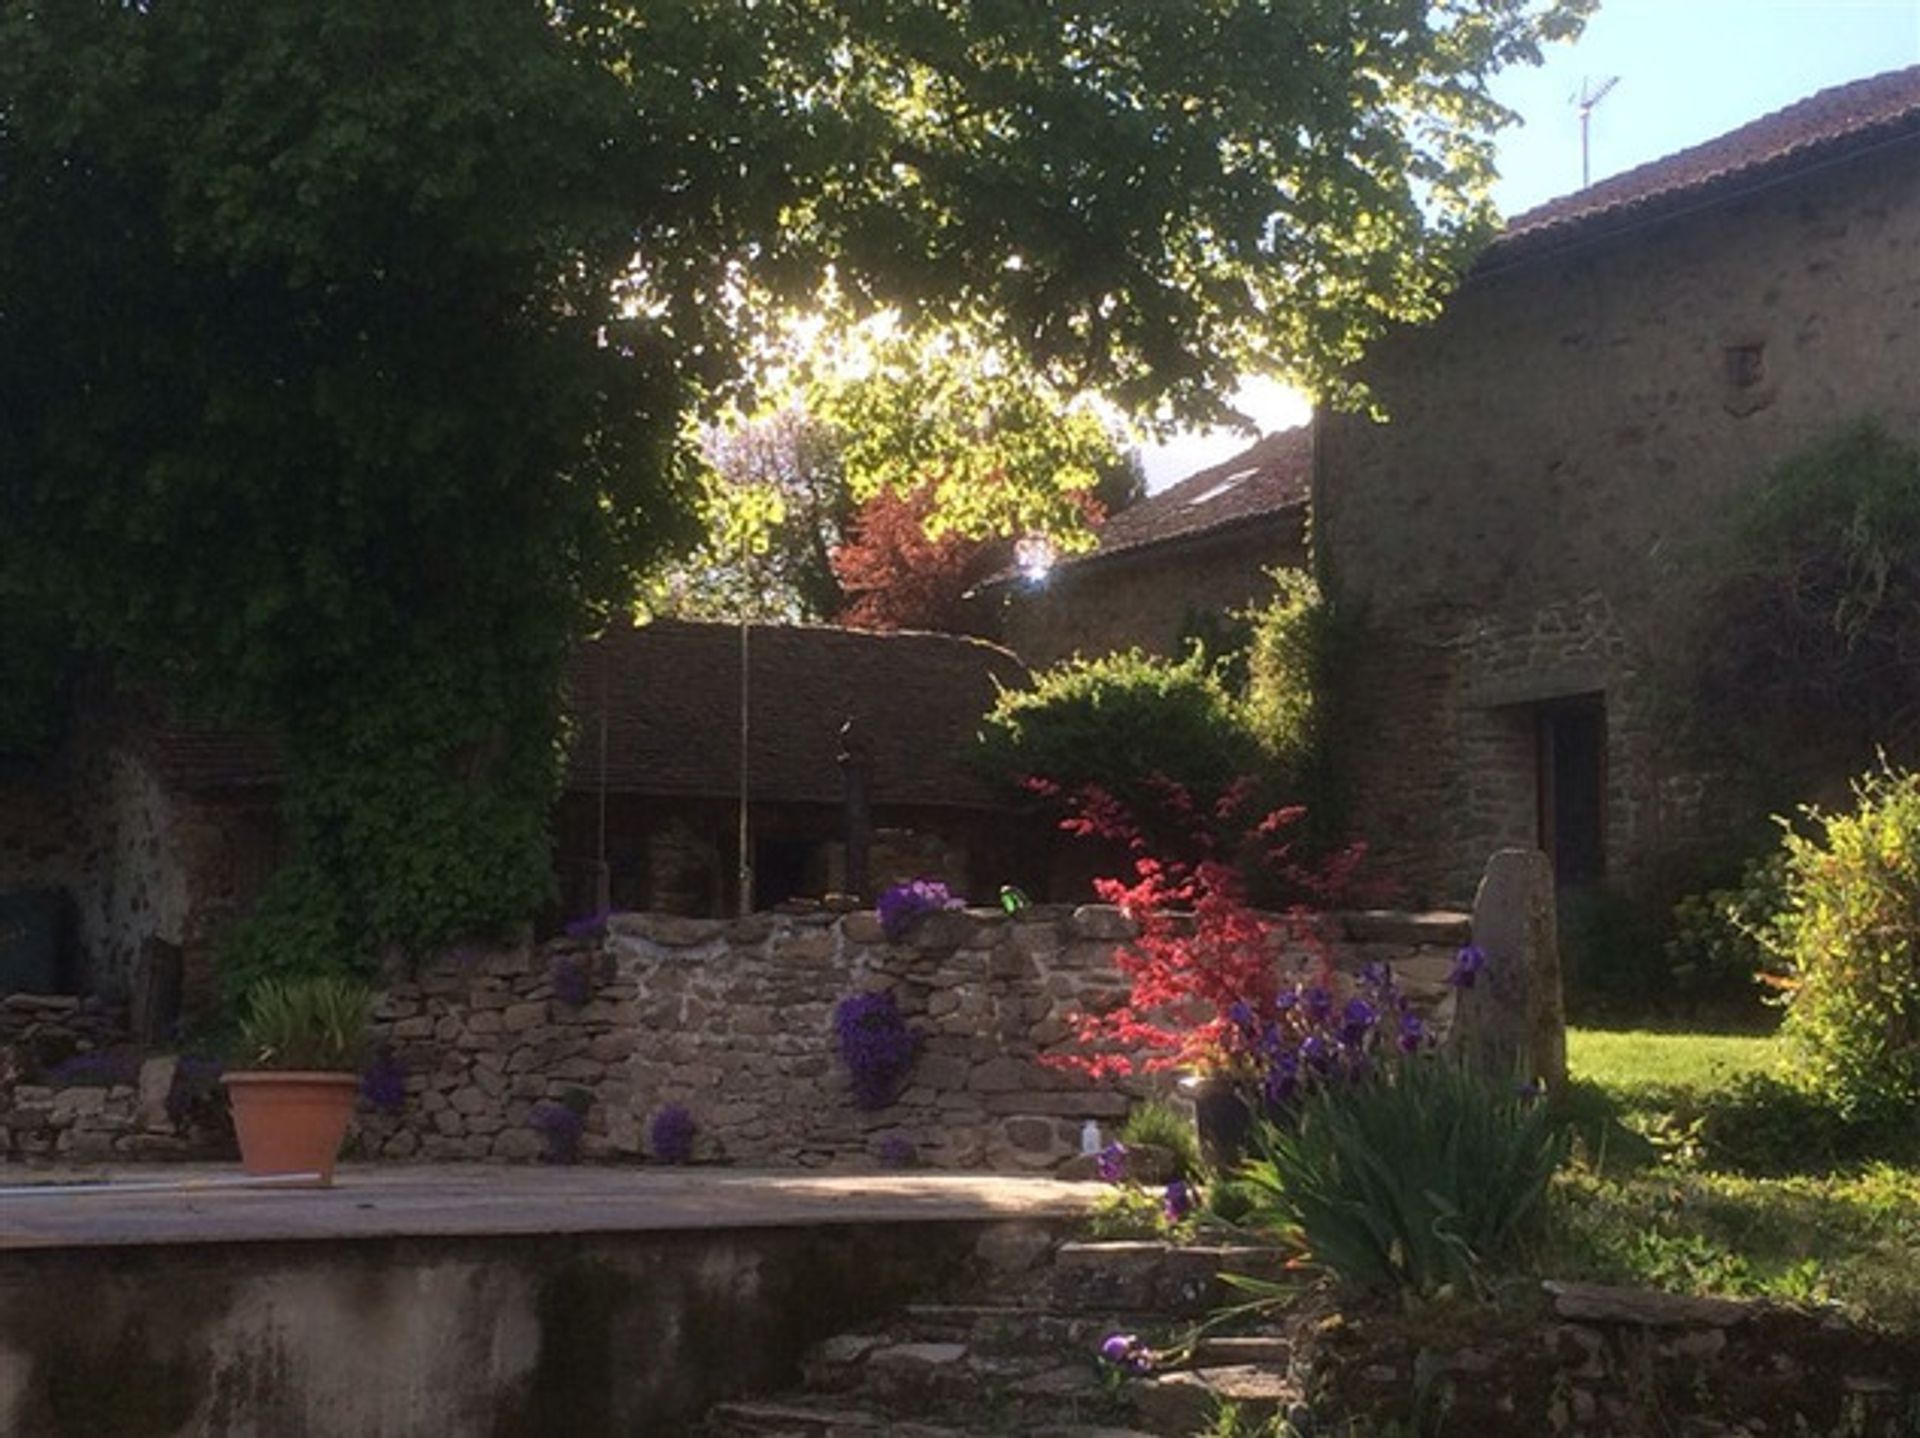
{"x":1117,"y":720}
{"x":1161,"y":1125}
{"x":1428,"y":1179}
{"x":1849,"y":939}
{"x":1716,"y":948}
{"x":1610,"y":947}
{"x":1286,"y":659}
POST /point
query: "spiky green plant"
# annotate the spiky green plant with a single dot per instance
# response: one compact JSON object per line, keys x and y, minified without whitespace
{"x":1157,"y":1123}
{"x":316,"y":1023}
{"x":1426,"y":1179}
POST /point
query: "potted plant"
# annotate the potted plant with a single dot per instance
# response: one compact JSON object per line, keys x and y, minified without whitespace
{"x":303,"y":1043}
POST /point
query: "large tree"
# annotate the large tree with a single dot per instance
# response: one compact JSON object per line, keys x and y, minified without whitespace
{"x":347,"y":349}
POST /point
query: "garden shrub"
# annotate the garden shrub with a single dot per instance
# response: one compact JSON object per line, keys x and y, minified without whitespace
{"x":1286,"y":657}
{"x":1611,"y":950}
{"x":1849,"y":941}
{"x":1716,"y":947}
{"x":1431,"y":1177}
{"x":1115,"y":721}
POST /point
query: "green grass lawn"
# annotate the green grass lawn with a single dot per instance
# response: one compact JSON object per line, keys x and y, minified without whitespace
{"x":1622,"y":1060}
{"x":1666,"y":1122}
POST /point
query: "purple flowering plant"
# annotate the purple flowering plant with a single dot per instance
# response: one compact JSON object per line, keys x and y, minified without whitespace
{"x":1110,"y":1164}
{"x":560,"y":1123}
{"x":670,"y":1134}
{"x":897,"y":1151}
{"x":1467,"y":965}
{"x":1178,"y":1202}
{"x":384,"y":1084}
{"x":1305,"y":1037}
{"x":1125,"y":1353}
{"x":903,"y":906}
{"x":876,"y":1046}
{"x":572,"y":982}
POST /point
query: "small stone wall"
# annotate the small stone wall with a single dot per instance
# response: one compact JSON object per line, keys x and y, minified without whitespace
{"x":1604,"y":1362}
{"x":734,"y":1020}
{"x":73,"y":1089}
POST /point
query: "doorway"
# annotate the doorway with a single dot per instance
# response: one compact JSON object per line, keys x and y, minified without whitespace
{"x":1571,"y":743}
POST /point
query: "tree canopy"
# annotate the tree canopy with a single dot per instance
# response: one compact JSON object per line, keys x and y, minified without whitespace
{"x":347,"y":350}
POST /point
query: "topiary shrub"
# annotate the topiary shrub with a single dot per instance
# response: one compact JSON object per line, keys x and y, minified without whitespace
{"x":1115,"y":721}
{"x":1848,"y":938}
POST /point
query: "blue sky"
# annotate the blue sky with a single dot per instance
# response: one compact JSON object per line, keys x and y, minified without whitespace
{"x":1688,"y":69}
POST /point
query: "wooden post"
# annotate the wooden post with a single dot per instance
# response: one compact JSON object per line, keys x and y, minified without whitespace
{"x":856,"y":772}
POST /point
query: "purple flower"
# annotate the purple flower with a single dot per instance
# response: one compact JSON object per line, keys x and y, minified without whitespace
{"x":1319,"y":1004}
{"x":1467,"y":965}
{"x":1241,"y":1015}
{"x":1126,"y":1352}
{"x":588,"y":926}
{"x":1413,"y":1033}
{"x":572,"y":984}
{"x":1111,"y":1163}
{"x":1377,"y":976}
{"x":384,"y":1084}
{"x":560,"y":1125}
{"x":897,"y":1151}
{"x":1177,"y":1201}
{"x":876,"y":1045}
{"x":1356,"y":1021}
{"x":670,"y":1135}
{"x":902,"y":906}
{"x":1282,"y":1079}
{"x":1316,"y":1053}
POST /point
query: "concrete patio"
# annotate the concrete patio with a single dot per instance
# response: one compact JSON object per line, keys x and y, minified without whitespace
{"x":49,"y":1209}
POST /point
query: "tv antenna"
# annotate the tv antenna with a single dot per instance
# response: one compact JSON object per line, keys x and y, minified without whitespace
{"x":1591,"y":94}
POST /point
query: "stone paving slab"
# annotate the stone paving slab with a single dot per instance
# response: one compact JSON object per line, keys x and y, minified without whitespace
{"x":124,"y":1208}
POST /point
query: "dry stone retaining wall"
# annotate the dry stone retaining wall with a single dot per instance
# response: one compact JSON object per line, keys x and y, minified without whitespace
{"x":734,"y":1020}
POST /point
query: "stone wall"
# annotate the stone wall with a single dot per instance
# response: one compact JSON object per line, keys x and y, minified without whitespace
{"x":1610,"y":1362}
{"x":1537,"y":519}
{"x":139,"y":861}
{"x":733,"y":1020}
{"x":1146,"y":599}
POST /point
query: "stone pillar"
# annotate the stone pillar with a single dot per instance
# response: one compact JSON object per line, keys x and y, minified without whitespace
{"x":1511,"y":1023}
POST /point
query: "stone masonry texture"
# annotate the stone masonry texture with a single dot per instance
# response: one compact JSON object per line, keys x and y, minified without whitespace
{"x":1538,"y":517}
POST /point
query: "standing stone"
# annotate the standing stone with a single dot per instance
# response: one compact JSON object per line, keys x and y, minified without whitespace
{"x":156,"y":1088}
{"x":1511,"y":1024}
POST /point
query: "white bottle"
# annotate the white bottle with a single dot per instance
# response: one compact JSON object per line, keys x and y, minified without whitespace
{"x":1090,"y":1137}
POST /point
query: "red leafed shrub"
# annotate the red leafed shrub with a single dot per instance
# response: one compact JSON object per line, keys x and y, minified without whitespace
{"x":1206,"y":964}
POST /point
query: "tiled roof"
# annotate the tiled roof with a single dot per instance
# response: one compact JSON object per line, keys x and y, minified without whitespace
{"x":1270,"y":476}
{"x":1835,"y":122}
{"x":673,"y":719}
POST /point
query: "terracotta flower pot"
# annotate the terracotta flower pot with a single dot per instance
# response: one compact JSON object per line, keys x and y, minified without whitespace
{"x":291,"y":1121}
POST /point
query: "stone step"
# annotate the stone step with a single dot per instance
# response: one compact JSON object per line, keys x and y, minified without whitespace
{"x":1185,"y":1401}
{"x":1000,"y":1328}
{"x":790,"y":1418}
{"x":1158,"y":1278}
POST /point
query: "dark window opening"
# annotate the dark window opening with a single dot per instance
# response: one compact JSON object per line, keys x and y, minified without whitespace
{"x":782,"y":870}
{"x":1572,"y":739}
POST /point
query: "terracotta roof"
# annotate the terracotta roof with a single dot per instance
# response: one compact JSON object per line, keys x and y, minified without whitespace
{"x":1825,"y":126}
{"x":673,"y":711}
{"x":1274,"y":474}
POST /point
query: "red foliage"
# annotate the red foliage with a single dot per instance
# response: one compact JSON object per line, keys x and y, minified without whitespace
{"x":1203,"y":951}
{"x":896,"y":577}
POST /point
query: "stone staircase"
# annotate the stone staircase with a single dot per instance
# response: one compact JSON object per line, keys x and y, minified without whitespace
{"x":1017,"y":1353}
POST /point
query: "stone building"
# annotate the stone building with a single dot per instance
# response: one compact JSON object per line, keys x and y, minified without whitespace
{"x":1519,"y":544}
{"x":1177,"y":565}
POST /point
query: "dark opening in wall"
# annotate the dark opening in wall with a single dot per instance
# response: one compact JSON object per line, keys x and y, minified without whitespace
{"x":1571,"y":735}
